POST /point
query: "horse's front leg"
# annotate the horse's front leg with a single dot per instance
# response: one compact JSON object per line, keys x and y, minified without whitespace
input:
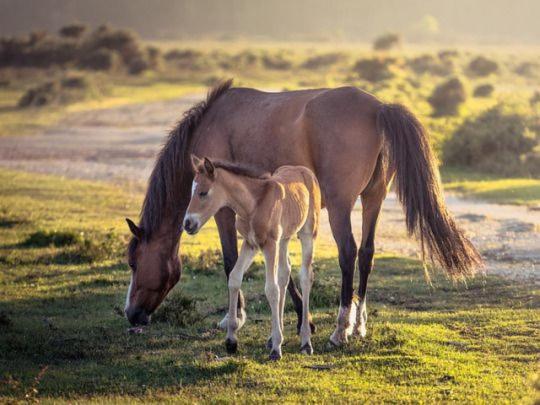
{"x":226,"y":224}
{"x":235,"y":282}
{"x":271,"y":289}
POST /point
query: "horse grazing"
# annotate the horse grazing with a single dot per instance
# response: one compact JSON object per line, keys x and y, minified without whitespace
{"x":355,"y":145}
{"x":269,"y":211}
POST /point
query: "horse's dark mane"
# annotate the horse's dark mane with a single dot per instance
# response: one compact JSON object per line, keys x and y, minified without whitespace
{"x":241,"y":169}
{"x":165,"y":187}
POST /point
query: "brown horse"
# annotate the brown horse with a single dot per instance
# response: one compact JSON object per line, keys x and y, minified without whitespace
{"x":354,"y":144}
{"x":269,"y":211}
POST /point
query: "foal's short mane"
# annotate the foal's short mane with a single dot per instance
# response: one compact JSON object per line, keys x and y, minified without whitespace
{"x":165,"y":187}
{"x":241,"y":169}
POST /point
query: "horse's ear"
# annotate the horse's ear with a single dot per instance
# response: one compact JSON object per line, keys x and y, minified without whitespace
{"x":197,"y":164}
{"x":209,"y":167}
{"x":135,"y":230}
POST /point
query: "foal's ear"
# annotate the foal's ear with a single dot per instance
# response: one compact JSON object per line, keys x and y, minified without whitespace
{"x":135,"y":230}
{"x":209,"y":167}
{"x":197,"y":164}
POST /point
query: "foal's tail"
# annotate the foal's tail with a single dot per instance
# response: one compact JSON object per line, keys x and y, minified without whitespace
{"x":419,"y":191}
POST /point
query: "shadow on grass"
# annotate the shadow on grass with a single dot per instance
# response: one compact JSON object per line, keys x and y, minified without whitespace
{"x":80,"y":333}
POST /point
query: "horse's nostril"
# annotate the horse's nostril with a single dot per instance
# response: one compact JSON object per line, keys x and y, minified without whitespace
{"x":187,"y":224}
{"x":137,"y":316}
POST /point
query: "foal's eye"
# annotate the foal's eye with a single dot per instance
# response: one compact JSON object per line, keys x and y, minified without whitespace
{"x":203,"y":193}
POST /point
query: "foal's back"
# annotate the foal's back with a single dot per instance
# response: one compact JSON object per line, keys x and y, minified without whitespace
{"x":301,"y":199}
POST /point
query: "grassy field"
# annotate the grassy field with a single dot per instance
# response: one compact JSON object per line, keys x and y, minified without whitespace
{"x":63,"y":282}
{"x":482,"y":186}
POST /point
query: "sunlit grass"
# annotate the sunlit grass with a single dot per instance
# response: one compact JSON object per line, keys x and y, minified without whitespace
{"x":64,"y":340}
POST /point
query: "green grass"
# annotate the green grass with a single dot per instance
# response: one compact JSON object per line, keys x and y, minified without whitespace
{"x":64,"y":340}
{"x":518,"y":191}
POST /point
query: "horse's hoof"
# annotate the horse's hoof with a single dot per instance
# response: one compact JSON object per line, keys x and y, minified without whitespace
{"x":269,"y":343}
{"x":307,"y":349}
{"x":275,"y":355}
{"x":312,"y":327}
{"x":231,"y":346}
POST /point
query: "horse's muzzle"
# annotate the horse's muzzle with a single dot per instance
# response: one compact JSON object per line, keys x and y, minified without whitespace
{"x":137,"y":316}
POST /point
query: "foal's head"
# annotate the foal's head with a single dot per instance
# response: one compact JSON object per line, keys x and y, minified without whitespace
{"x":207,"y":195}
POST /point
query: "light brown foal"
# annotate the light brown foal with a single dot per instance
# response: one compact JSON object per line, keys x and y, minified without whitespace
{"x":269,"y":211}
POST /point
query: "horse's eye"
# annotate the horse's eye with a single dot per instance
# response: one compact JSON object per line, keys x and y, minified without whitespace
{"x":203,"y":193}
{"x":132,"y":265}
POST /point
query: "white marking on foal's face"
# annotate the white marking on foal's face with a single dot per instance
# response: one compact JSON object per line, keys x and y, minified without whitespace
{"x":129,"y":293}
{"x":193,"y":187}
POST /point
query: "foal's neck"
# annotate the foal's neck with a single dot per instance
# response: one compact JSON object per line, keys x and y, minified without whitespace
{"x":243,"y":193}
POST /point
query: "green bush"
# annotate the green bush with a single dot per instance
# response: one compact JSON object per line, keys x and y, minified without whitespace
{"x":99,"y":59}
{"x":387,"y":41}
{"x":322,"y":61}
{"x":431,"y":64}
{"x":75,"y":30}
{"x":447,"y":97}
{"x":375,"y":69}
{"x":276,"y":62}
{"x":496,"y":141}
{"x":178,"y":310}
{"x":482,"y":66}
{"x":483,"y":90}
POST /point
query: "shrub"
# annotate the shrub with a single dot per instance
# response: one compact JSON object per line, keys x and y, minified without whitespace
{"x":177,"y":310}
{"x":245,"y":58}
{"x":322,"y":61}
{"x":482,"y":66}
{"x":375,"y":69}
{"x":528,"y":69}
{"x":99,"y":59}
{"x":387,"y":41}
{"x":208,"y":260}
{"x":153,"y":55}
{"x":75,"y":30}
{"x":137,"y":66}
{"x":41,"y":95}
{"x":535,"y":99}
{"x":51,"y":238}
{"x":483,"y":90}
{"x":184,"y":59}
{"x":124,"y":42}
{"x":276,"y":62}
{"x":75,"y":82}
{"x":447,"y":97}
{"x":430,"y":64}
{"x":495,"y":141}
{"x":448,"y":54}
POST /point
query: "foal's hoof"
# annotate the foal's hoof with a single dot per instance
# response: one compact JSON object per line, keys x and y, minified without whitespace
{"x":275,"y":355}
{"x":307,"y":349}
{"x":231,"y":346}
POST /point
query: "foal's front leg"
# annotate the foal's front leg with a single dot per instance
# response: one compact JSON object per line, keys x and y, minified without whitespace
{"x":271,"y":289}
{"x":235,"y":282}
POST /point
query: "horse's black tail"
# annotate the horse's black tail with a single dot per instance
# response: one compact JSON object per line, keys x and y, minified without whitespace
{"x":419,"y":191}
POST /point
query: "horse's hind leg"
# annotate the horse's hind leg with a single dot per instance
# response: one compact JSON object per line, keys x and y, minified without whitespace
{"x":372,"y":200}
{"x":226,"y":224}
{"x":339,"y":214}
{"x":306,"y":281}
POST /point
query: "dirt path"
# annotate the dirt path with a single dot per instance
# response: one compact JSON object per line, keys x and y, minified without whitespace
{"x":119,"y":145}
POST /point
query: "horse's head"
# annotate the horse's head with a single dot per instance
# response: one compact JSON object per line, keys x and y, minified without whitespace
{"x":155,"y":269}
{"x":207,"y":195}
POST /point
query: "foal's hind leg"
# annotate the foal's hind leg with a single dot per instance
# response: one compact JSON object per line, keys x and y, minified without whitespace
{"x":372,"y":201}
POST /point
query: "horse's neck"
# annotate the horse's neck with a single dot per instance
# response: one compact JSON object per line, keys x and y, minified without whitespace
{"x":243,"y":193}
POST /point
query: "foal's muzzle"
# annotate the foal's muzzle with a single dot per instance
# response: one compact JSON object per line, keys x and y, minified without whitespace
{"x":191,"y":225}
{"x":137,"y":316}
